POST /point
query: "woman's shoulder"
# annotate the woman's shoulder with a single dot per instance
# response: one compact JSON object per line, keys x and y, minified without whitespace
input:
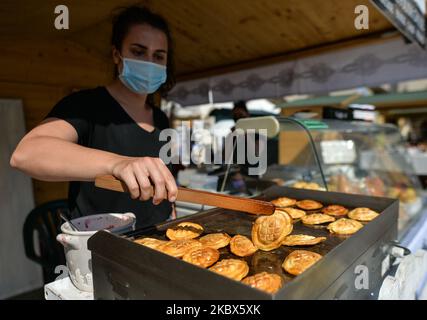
{"x":85,"y":94}
{"x":78,"y":104}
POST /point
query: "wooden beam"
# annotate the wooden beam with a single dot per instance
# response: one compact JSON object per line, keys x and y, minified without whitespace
{"x":400,"y":104}
{"x":311,"y":51}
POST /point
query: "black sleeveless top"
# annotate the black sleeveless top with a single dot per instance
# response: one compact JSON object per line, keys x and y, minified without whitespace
{"x":101,"y":123}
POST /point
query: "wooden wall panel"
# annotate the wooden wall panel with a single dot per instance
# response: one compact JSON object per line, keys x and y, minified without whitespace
{"x":56,"y":62}
{"x":41,"y":73}
{"x":37,"y":99}
{"x":208,"y":34}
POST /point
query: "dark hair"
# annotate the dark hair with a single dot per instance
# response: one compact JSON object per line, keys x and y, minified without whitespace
{"x":423,"y":131}
{"x":240,"y":104}
{"x":135,"y":15}
{"x":239,"y":110}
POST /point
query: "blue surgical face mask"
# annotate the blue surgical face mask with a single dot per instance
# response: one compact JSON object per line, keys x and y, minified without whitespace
{"x":142,"y":77}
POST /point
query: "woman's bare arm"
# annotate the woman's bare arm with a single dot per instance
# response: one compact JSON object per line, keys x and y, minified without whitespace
{"x":50,"y":152}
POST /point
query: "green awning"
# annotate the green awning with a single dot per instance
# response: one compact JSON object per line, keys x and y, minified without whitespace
{"x":378,"y":100}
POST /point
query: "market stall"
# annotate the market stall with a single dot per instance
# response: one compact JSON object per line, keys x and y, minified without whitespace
{"x":267,"y":49}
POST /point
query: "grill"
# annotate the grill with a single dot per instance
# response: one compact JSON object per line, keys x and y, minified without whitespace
{"x":123,"y":269}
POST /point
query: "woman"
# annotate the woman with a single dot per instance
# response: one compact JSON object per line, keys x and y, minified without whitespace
{"x":113,"y":129}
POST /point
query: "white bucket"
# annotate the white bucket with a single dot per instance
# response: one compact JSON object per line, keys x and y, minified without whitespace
{"x":78,"y":256}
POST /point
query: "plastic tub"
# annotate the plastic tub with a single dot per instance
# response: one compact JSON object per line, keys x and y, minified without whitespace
{"x":77,"y":255}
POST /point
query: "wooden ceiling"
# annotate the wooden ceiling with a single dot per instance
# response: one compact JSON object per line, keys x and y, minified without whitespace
{"x":208,"y":34}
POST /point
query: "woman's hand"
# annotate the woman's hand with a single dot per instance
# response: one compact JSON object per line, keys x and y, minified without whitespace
{"x":142,"y":175}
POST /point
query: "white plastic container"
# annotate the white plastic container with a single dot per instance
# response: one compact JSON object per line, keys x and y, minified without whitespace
{"x":75,"y":243}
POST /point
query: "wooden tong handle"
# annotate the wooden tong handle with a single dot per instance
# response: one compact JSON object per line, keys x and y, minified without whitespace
{"x":198,"y":196}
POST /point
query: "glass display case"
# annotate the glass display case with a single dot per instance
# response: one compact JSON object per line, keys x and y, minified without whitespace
{"x":351,"y":157}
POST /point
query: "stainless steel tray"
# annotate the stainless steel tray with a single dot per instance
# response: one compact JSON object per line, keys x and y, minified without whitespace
{"x":124,"y":269}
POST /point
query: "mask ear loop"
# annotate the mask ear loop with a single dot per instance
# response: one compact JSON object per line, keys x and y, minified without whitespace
{"x":123,"y":63}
